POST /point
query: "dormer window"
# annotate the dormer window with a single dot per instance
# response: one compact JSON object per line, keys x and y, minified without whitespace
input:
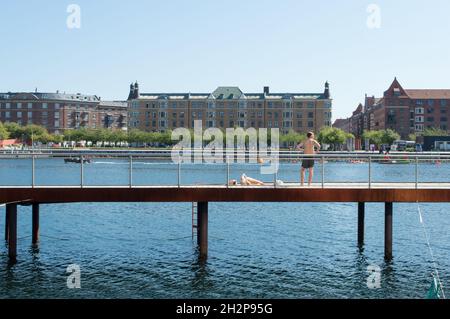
{"x":397,"y":92}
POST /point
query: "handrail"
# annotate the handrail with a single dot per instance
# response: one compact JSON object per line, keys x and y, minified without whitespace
{"x":282,"y":155}
{"x":323,"y":158}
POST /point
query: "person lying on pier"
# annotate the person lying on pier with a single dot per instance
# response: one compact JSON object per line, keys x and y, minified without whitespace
{"x":247,"y":181}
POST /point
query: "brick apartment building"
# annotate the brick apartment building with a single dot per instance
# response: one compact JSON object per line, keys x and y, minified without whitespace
{"x":229,"y":107}
{"x":406,"y":111}
{"x":58,"y":112}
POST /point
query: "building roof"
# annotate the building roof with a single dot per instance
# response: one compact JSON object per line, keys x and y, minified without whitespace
{"x":227,"y":93}
{"x":118,"y":104}
{"x":49,"y":96}
{"x":397,"y":89}
{"x":428,"y":94}
{"x":358,"y":110}
{"x":341,"y":122}
{"x":230,"y":93}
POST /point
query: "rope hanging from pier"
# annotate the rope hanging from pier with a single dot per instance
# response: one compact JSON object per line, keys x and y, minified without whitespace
{"x":437,"y":290}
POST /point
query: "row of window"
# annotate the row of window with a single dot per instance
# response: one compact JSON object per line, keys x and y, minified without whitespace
{"x":270,"y":124}
{"x":19,"y":114}
{"x":26,"y":105}
{"x":199,"y":114}
{"x":421,"y":127}
{"x":421,"y":119}
{"x":211,"y":105}
{"x":421,"y":110}
{"x":401,"y":102}
{"x":43,"y":122}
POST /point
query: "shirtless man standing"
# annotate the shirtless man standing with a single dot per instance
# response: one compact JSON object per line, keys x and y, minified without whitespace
{"x":308,"y":147}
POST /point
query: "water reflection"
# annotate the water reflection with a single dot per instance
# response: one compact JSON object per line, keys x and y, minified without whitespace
{"x":201,"y":279}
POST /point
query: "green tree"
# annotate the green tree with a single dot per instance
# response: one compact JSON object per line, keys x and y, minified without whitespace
{"x":292,"y":138}
{"x":56,"y":138}
{"x":374,"y":137}
{"x":412,"y":137}
{"x":35,"y":132}
{"x":118,"y":136}
{"x":332,"y":136}
{"x":14,"y":129}
{"x":381,"y":137}
{"x":389,"y":136}
{"x":4,"y":134}
{"x":435,"y":132}
{"x":136,"y":136}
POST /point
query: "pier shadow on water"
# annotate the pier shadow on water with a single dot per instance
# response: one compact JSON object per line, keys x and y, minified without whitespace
{"x":201,"y":280}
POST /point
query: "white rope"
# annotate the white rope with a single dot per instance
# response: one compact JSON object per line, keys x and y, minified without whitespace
{"x":431,"y":250}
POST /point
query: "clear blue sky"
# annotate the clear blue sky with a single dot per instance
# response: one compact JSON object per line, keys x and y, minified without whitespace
{"x":180,"y":45}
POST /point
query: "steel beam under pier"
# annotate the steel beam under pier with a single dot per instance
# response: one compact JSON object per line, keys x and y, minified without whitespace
{"x":361,"y":215}
{"x":388,"y":230}
{"x":202,"y":228}
{"x":12,"y":231}
{"x":35,"y":222}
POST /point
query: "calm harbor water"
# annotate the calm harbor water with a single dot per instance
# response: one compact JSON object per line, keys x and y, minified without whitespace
{"x":256,"y":250}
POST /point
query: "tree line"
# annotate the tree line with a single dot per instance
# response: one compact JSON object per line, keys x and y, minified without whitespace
{"x":334,"y":137}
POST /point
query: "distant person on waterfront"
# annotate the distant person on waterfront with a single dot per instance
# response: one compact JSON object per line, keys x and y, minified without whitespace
{"x":247,"y":181}
{"x":309,"y":148}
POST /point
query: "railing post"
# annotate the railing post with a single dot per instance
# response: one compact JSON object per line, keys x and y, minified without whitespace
{"x":323,"y":172}
{"x":417,"y":172}
{"x":33,"y":171}
{"x":130,"y":179}
{"x":275,"y":177}
{"x":179,"y":174}
{"x":81,"y":171}
{"x":228,"y":173}
{"x":370,"y":172}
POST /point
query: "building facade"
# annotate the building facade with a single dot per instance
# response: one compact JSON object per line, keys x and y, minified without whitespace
{"x":229,"y":107}
{"x":342,"y":124}
{"x":412,"y":111}
{"x":405,"y":111}
{"x":58,"y":112}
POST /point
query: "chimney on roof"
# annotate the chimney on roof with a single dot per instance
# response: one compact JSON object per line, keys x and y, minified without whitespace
{"x":136,"y":90}
{"x":131,"y":94}
{"x":326,"y":93}
{"x":266,"y":90}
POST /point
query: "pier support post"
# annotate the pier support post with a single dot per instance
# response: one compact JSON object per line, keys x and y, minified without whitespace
{"x":7,"y":208}
{"x":202,"y":228}
{"x":35,"y":222}
{"x":12,"y":231}
{"x":388,"y":231}
{"x":361,"y":215}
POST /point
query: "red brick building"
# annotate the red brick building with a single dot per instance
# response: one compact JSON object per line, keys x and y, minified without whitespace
{"x":343,"y":124}
{"x":58,"y":112}
{"x":406,"y":111}
{"x":412,"y":111}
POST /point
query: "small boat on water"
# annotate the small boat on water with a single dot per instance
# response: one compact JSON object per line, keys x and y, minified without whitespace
{"x":388,"y":160}
{"x":77,"y":160}
{"x":393,"y":162}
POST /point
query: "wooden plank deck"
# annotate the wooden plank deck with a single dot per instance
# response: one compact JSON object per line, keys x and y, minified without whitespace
{"x":332,"y":192}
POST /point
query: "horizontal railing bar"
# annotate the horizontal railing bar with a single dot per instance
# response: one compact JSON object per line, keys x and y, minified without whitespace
{"x":291,"y":154}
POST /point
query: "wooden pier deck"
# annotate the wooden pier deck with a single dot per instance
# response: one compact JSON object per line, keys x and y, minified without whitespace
{"x":361,"y":193}
{"x":330,"y":192}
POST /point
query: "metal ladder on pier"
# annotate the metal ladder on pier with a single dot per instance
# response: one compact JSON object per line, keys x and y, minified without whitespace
{"x":194,"y":220}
